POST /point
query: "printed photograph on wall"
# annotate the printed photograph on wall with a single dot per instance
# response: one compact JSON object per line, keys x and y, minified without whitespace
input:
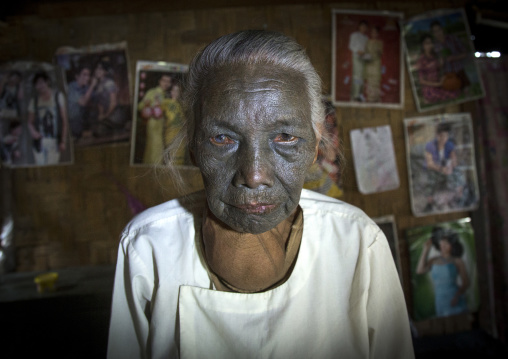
{"x":157,"y":112}
{"x":374,"y":159}
{"x":440,"y":59}
{"x":34,"y":125}
{"x":441,"y":164}
{"x":324,"y":175}
{"x":367,"y":59}
{"x":444,"y":277}
{"x":98,"y":92}
{"x":389,"y":228}
{"x":158,"y":115}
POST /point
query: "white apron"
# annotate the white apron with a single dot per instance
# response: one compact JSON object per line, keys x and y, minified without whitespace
{"x":276,"y":323}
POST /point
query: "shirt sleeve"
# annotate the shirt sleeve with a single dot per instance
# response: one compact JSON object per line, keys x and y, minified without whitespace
{"x":71,"y":93}
{"x":389,"y":331}
{"x":355,"y":43}
{"x":450,"y":147}
{"x":129,"y":323}
{"x":61,"y":101}
{"x":429,"y":147}
{"x":147,"y":98}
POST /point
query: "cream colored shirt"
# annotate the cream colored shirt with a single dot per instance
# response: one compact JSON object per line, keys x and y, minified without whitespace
{"x":342,"y":300}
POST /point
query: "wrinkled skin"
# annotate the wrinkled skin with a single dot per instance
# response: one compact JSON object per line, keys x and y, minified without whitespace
{"x":254,"y":142}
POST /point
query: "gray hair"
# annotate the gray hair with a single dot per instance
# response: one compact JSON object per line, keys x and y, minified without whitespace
{"x":248,"y":47}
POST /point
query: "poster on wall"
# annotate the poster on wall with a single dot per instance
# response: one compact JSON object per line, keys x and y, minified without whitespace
{"x":324,"y":176}
{"x":34,"y":126}
{"x":441,"y":164}
{"x":444,"y":278}
{"x":157,"y":113}
{"x":374,"y":159}
{"x":367,"y":59}
{"x":440,"y":59}
{"x":98,"y":92}
{"x":389,"y":228}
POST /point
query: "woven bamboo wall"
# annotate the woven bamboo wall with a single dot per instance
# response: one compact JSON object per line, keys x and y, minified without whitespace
{"x":73,"y":215}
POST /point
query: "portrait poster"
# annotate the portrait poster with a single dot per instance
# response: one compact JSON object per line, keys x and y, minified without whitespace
{"x":374,"y":159}
{"x":440,"y":59}
{"x":98,"y":92}
{"x":444,"y":277}
{"x":367,"y":59}
{"x":441,"y":164}
{"x":324,"y":176}
{"x":34,"y":126}
{"x":389,"y":228}
{"x":157,"y":112}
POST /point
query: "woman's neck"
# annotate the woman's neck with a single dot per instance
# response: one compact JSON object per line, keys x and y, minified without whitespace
{"x":251,"y":262}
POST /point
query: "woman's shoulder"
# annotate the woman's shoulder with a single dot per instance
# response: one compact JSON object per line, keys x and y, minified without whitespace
{"x":179,"y":210}
{"x":324,"y":206}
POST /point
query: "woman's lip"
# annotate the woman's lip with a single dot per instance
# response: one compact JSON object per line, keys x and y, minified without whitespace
{"x":256,"y":208}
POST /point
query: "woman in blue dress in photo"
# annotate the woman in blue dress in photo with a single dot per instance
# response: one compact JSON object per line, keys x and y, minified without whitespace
{"x":446,"y":269}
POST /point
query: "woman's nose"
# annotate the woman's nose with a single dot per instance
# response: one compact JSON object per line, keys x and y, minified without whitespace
{"x":255,"y":169}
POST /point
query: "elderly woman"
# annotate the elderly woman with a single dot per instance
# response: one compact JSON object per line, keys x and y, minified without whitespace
{"x":254,"y":266}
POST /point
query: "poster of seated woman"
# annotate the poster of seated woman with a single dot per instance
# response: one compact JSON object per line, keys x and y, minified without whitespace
{"x":441,"y":164}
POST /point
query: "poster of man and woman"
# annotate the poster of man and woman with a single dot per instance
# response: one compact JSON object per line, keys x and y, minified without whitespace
{"x":440,"y":59}
{"x":98,"y":92}
{"x":444,"y":276}
{"x":367,"y":59}
{"x":158,"y":115}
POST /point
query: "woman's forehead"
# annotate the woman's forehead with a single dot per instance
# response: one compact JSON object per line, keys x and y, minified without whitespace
{"x":253,"y":77}
{"x":245,"y":80}
{"x":259,"y":98}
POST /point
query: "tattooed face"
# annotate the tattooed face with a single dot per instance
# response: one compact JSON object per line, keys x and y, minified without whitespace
{"x":254,"y":142}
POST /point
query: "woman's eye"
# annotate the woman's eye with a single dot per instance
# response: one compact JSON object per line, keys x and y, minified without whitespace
{"x":221,"y":140}
{"x":285,"y":137}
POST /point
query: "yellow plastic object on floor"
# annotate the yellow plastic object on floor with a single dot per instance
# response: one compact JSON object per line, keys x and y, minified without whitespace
{"x":46,"y":282}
